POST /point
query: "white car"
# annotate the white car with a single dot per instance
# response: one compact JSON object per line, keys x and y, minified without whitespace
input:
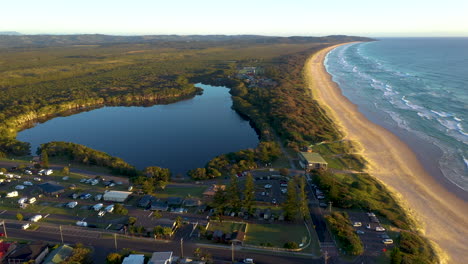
{"x":101,"y":213}
{"x":357,"y":224}
{"x":37,"y":179}
{"x":387,"y":241}
{"x":268,"y":186}
{"x":379,"y":228}
{"x":81,"y":223}
{"x":25,"y":226}
{"x":36,"y":218}
{"x":19,"y":187}
{"x":28,"y":183}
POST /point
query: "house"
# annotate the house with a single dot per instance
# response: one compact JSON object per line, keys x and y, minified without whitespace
{"x":159,"y":206}
{"x":218,"y":236}
{"x":34,"y":252}
{"x":174,"y":201}
{"x":312,"y":161}
{"x":116,"y":196}
{"x":145,"y":201}
{"x":58,"y":255}
{"x":161,"y":258}
{"x":134,"y":259}
{"x":267,"y":214}
{"x":191,"y":202}
{"x":51,"y":189}
{"x":209,"y":193}
{"x":237,"y":238}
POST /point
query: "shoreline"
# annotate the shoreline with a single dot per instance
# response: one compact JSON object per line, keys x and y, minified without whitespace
{"x":440,"y":212}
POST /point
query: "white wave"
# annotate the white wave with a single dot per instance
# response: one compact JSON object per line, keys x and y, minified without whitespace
{"x":466,"y":162}
{"x":424,"y":115}
{"x":460,"y":129}
{"x":457,"y":119}
{"x":441,"y":114}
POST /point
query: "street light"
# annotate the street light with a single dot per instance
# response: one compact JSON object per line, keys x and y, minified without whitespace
{"x":61,"y":234}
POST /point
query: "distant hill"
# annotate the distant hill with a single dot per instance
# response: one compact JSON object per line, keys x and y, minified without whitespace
{"x":11,"y":40}
{"x":10,"y":33}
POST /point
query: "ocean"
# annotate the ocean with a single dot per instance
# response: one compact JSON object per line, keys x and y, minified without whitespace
{"x":418,"y":89}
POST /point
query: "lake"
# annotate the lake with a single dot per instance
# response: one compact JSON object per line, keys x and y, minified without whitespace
{"x":179,"y":136}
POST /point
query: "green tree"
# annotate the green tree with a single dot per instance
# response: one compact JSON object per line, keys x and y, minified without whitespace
{"x":233,"y":193}
{"x":45,"y":159}
{"x":219,"y":199}
{"x":303,"y":201}
{"x":3,"y":170}
{"x":178,"y":221}
{"x":114,"y":258}
{"x":120,"y":209}
{"x":284,"y":171}
{"x":65,"y":170}
{"x":249,"y":193}
{"x":19,"y":216}
{"x":132,"y":220}
{"x":159,"y":175}
{"x":290,"y":206}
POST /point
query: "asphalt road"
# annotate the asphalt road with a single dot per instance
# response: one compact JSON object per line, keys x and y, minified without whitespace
{"x":105,"y":244}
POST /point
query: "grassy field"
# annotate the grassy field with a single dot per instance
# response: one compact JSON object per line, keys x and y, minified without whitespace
{"x":194,"y":191}
{"x":276,"y":234}
{"x":226,"y":227}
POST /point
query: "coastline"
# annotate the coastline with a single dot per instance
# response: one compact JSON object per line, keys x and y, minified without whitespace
{"x":440,"y":212}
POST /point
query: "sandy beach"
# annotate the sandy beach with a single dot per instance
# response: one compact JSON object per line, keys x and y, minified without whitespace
{"x":443,"y":217}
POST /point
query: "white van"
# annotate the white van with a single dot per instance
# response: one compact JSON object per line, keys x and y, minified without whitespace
{"x":36,"y":218}
{"x":32,"y":200}
{"x":12,"y":194}
{"x":25,"y":226}
{"x":23,"y":200}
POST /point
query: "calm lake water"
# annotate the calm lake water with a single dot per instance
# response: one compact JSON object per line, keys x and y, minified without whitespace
{"x":179,"y":136}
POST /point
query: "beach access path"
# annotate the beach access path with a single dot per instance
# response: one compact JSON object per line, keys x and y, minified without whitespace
{"x":442,"y":216}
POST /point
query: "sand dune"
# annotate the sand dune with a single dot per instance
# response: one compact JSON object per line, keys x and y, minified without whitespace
{"x":443,"y":216}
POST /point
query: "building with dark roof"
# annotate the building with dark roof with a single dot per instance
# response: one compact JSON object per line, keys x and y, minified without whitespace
{"x":174,"y":201}
{"x":35,"y":251}
{"x":145,"y":201}
{"x":312,"y":161}
{"x":51,"y":188}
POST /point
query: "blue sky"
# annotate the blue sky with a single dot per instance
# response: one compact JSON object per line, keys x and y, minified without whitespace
{"x":374,"y":18}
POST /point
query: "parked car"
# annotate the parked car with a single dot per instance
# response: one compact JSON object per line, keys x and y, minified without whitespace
{"x":387,"y":241}
{"x":268,"y":186}
{"x":72,"y":204}
{"x":98,"y":197}
{"x":248,"y":261}
{"x":28,"y":183}
{"x":101,"y":213}
{"x":66,"y":178}
{"x":19,"y":187}
{"x":83,"y":180}
{"x":368,"y":226}
{"x":360,"y":232}
{"x":379,"y":228}
{"x":32,"y":200}
{"x":37,"y":179}
{"x":109,"y":208}
{"x":320,"y":197}
{"x":25,"y":226}
{"x":28,"y":172}
{"x":23,"y":200}
{"x":357,"y":224}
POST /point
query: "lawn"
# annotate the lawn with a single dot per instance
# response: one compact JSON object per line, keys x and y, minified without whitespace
{"x":276,"y":235}
{"x":226,"y":227}
{"x":194,"y":191}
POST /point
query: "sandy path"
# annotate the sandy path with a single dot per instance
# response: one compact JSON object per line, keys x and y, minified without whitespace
{"x":443,"y":216}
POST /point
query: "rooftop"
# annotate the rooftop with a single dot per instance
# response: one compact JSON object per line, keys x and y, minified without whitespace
{"x":313,"y":157}
{"x":51,"y":187}
{"x":160,"y":257}
{"x":134,"y":259}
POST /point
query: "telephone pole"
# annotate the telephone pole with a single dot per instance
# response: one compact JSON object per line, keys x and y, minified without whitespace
{"x":182,"y":248}
{"x":61,"y":234}
{"x":115,"y":241}
{"x":232,"y":252}
{"x":4,"y":229}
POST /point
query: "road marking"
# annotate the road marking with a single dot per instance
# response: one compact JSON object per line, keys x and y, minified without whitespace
{"x":46,"y":215}
{"x":150,"y":214}
{"x":3,"y":212}
{"x":108,"y":226}
{"x":83,"y":219}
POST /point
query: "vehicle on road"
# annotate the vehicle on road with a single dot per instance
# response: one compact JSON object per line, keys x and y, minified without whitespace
{"x":23,"y":200}
{"x":37,"y":179}
{"x":360,"y":232}
{"x":32,"y":200}
{"x":357,"y":224}
{"x":25,"y":226}
{"x":35,"y":218}
{"x":387,"y":241}
{"x":368,"y":226}
{"x":19,"y":187}
{"x":12,"y":194}
{"x":81,"y":223}
{"x":109,"y":208}
{"x":324,"y":205}
{"x":320,"y":197}
{"x":268,"y":186}
{"x":248,"y":261}
{"x":28,"y":183}
{"x":101,"y":213}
